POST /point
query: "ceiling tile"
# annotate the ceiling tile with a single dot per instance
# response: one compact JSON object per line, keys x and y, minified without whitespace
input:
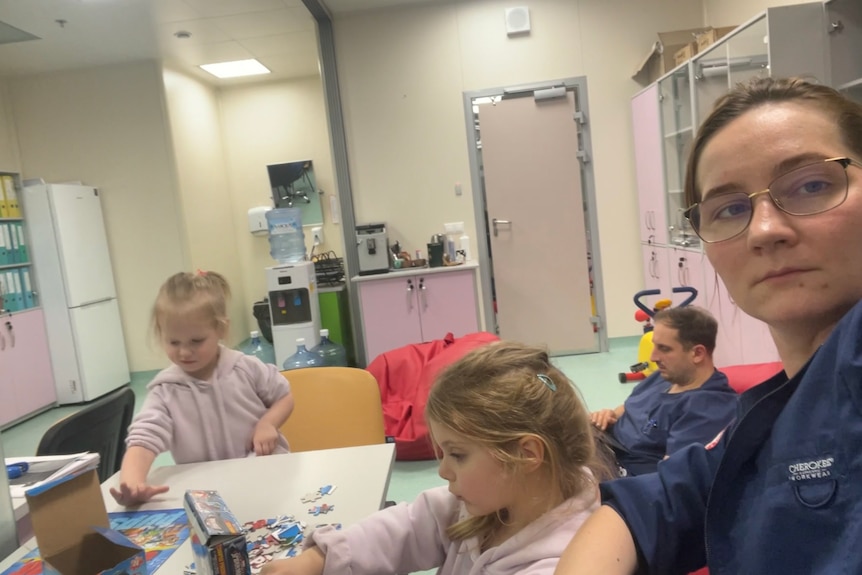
{"x":214,"y":8}
{"x":257,"y":24}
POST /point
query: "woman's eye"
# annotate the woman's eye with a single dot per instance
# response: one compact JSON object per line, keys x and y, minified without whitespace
{"x":729,"y":209}
{"x":197,"y":341}
{"x":456,"y":456}
{"x":814,"y":187}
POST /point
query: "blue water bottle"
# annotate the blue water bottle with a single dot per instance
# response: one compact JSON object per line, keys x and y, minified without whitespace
{"x":302,"y":357}
{"x":286,"y":239}
{"x":259,"y":348}
{"x":331,"y":354}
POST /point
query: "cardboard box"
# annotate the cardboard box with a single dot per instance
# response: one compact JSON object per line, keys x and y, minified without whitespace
{"x":660,"y":59}
{"x":73,"y":533}
{"x":711,"y":36}
{"x":218,"y":541}
{"x":684,"y":54}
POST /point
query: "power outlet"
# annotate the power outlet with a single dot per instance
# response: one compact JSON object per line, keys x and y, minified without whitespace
{"x":316,"y":236}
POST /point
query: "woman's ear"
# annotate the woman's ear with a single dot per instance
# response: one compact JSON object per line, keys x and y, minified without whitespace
{"x":532,"y":452}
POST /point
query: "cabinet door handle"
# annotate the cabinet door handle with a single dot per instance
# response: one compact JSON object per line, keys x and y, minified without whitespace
{"x":422,"y":292}
{"x":409,"y":295}
{"x":11,"y":331}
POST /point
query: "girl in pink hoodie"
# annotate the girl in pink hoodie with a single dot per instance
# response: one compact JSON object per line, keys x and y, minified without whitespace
{"x":212,"y":403}
{"x":515,"y":446}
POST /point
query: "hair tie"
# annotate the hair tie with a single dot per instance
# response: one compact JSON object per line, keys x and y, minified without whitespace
{"x":201,"y":272}
{"x":549,"y":383}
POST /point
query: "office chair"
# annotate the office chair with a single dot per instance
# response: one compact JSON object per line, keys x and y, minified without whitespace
{"x":335,"y":407}
{"x":100,"y":427}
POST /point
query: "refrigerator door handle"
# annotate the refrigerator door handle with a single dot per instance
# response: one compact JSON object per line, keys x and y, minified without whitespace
{"x":94,"y":302}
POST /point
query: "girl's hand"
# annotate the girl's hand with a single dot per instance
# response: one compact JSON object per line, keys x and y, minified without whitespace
{"x":128,"y":494}
{"x":265,"y":438}
{"x":309,"y":562}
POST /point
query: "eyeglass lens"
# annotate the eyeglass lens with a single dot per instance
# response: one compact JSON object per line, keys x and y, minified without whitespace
{"x":811,"y":189}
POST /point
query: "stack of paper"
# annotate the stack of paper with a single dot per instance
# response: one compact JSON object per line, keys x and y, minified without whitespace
{"x":44,"y":470}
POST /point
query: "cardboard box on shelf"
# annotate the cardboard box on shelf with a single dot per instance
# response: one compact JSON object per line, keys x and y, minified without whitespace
{"x":711,"y":36}
{"x":73,"y":533}
{"x":684,"y":54}
{"x":218,"y":540}
{"x":659,"y":60}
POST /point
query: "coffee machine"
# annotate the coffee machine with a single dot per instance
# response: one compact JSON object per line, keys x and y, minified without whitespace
{"x":373,"y":245}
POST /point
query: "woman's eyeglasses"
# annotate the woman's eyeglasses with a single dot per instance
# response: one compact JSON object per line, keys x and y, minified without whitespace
{"x":811,"y":189}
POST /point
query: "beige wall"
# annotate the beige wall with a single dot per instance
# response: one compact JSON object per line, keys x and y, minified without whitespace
{"x":266,"y":124}
{"x":9,"y":160}
{"x":207,"y":214}
{"x":107,"y":128}
{"x":735,"y":12}
{"x":402,"y":73}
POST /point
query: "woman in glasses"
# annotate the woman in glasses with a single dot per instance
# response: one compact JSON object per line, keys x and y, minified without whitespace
{"x":775,"y":189}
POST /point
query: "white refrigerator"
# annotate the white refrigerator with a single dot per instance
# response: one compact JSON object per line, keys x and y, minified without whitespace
{"x":69,"y":251}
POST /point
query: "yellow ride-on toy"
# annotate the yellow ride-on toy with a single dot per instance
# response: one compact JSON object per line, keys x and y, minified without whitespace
{"x":644,"y":366}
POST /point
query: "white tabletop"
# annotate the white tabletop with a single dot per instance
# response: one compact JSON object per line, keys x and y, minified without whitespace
{"x":261,"y":487}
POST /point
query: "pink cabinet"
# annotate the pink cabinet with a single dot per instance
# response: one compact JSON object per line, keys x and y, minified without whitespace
{"x":26,"y":379}
{"x":416,"y":307}
{"x":656,"y":272}
{"x":649,"y":165}
{"x":686,"y":269}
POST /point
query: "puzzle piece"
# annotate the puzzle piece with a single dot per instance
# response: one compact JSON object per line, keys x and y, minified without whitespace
{"x":311,"y":497}
{"x":326,"y":490}
{"x":318,"y":509}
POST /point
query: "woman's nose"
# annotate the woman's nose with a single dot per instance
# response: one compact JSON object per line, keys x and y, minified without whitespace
{"x":768,"y":224}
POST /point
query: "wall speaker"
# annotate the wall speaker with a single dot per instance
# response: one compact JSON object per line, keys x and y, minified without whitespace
{"x":517,"y":20}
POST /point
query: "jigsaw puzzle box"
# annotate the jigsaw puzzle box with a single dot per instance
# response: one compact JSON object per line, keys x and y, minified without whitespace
{"x":218,"y":540}
{"x":73,"y":533}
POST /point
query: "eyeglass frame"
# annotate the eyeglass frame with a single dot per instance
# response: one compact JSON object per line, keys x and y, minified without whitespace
{"x":844,"y":161}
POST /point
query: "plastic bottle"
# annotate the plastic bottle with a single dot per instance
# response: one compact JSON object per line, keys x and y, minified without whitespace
{"x":302,"y":357}
{"x":286,"y":240}
{"x":465,"y":246}
{"x":332,"y":354}
{"x":260,"y":348}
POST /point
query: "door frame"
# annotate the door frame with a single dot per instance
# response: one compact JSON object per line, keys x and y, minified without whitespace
{"x":579,"y":86}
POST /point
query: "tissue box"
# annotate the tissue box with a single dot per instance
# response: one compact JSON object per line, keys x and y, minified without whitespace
{"x":218,"y":541}
{"x":73,"y":533}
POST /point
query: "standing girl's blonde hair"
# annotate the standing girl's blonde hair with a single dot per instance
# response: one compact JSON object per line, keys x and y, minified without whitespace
{"x":515,"y":447}
{"x":186,"y":293}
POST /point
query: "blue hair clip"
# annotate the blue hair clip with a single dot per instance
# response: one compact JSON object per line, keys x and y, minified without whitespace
{"x":549,"y":383}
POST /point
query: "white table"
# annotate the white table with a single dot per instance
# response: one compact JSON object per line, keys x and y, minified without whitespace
{"x":260,"y":487}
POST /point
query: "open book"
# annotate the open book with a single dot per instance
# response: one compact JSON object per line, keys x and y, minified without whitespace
{"x":47,"y":469}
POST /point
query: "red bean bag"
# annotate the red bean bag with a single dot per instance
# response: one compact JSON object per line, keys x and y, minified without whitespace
{"x":405,"y":376}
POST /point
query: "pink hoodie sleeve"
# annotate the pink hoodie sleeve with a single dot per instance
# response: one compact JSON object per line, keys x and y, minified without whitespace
{"x":400,"y":539}
{"x":268,"y":382}
{"x":152,"y":428}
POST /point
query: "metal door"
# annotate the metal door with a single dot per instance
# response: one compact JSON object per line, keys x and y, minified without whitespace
{"x":536,"y":219}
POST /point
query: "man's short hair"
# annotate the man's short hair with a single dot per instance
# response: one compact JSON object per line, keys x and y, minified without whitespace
{"x":694,"y":326}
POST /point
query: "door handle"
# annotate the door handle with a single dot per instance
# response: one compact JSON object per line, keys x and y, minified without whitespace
{"x":409,"y":295}
{"x":422,"y":293}
{"x":495,"y":222}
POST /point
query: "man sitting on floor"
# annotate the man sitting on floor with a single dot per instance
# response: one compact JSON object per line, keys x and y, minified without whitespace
{"x":686,"y":401}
